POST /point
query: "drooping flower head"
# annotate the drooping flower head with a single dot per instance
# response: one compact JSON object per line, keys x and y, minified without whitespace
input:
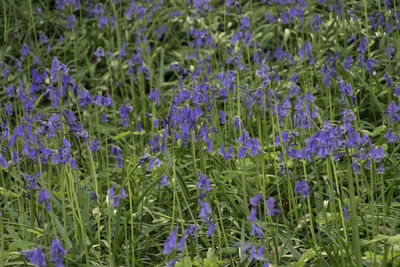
{"x":35,"y":256}
{"x":272,"y":210}
{"x":302,"y":188}
{"x":57,"y":252}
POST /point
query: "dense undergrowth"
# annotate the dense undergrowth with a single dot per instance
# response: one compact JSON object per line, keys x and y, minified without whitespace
{"x":199,"y":133}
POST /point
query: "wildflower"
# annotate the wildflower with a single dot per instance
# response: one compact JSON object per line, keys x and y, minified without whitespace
{"x":57,"y":253}
{"x":103,"y":21}
{"x":256,"y":230}
{"x":254,"y":200}
{"x":205,"y":210}
{"x":154,"y":96}
{"x":172,"y":262}
{"x":192,"y":230}
{"x":99,"y":53}
{"x":24,"y":51}
{"x":36,"y":256}
{"x":346,"y":214}
{"x":70,"y":21}
{"x":272,"y":210}
{"x":115,"y":199}
{"x":94,"y":196}
{"x":123,"y":112}
{"x":85,"y":98}
{"x":204,"y":183}
{"x":170,"y":243}
{"x":302,"y":188}
{"x":244,"y":23}
{"x":377,"y":153}
{"x":117,"y":150}
{"x":211,"y":228}
{"x":347,"y":62}
{"x":370,"y":65}
{"x":252,"y":216}
{"x":390,"y":137}
{"x":44,"y":197}
{"x":164,"y":181}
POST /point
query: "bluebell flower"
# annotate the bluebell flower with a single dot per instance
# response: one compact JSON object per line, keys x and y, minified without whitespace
{"x":94,"y":196}
{"x":172,"y":262}
{"x":44,"y":196}
{"x":302,"y":188}
{"x":272,"y":210}
{"x":70,"y":21}
{"x":192,"y":230}
{"x":99,"y":53}
{"x":57,"y":253}
{"x":117,"y":151}
{"x":123,"y":112}
{"x":370,"y":65}
{"x":204,"y":183}
{"x":391,"y":137}
{"x":24,"y":51}
{"x":377,"y":153}
{"x":205,"y":210}
{"x":244,"y":23}
{"x":170,"y":243}
{"x":346,"y":214}
{"x":254,"y":200}
{"x":252,"y":216}
{"x":211,"y":229}
{"x":36,"y":256}
{"x":256,"y":230}
{"x":117,"y":198}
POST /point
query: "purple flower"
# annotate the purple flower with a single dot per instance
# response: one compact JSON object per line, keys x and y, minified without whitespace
{"x":24,"y":51}
{"x":192,"y":230}
{"x":99,"y":53}
{"x":44,"y":196}
{"x":117,"y":150}
{"x":35,"y":256}
{"x":204,"y":183}
{"x":115,"y":199}
{"x":70,"y":21}
{"x":254,"y":200}
{"x":94,"y":196}
{"x":302,"y":188}
{"x":205,"y":210}
{"x":172,"y":262}
{"x":256,"y":230}
{"x":103,"y":21}
{"x":85,"y":98}
{"x":57,"y":253}
{"x":123,"y":112}
{"x":272,"y":210}
{"x":244,"y":23}
{"x":377,"y":153}
{"x":347,"y":62}
{"x":211,"y":229}
{"x":346,"y":214}
{"x":170,"y":243}
{"x":252,"y":216}
{"x":111,"y":192}
{"x":390,"y":137}
{"x":370,"y":65}
{"x":164,"y":181}
{"x":154,"y":96}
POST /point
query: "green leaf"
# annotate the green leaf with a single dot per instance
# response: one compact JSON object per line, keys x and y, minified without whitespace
{"x":379,"y":130}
